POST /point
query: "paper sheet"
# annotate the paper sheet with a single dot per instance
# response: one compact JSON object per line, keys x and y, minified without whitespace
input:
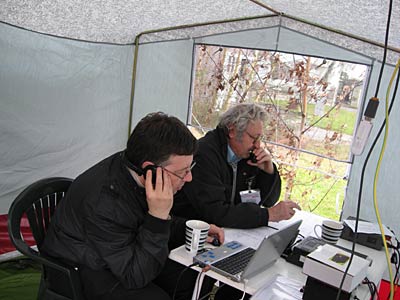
{"x":367,"y":227}
{"x":249,"y":237}
{"x":306,"y":227}
{"x":253,"y":237}
{"x":280,"y":288}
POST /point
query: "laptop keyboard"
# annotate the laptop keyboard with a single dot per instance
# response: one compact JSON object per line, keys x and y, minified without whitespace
{"x":235,"y":263}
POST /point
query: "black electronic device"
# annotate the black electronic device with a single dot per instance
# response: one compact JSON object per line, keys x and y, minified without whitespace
{"x":153,"y":169}
{"x":141,"y":171}
{"x":308,"y":245}
{"x":371,"y":240}
{"x":302,"y":249}
{"x":315,"y":289}
{"x":215,"y":242}
{"x":252,"y":157}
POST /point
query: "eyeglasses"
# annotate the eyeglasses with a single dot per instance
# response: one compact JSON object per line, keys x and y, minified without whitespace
{"x":179,"y":176}
{"x":255,"y":138}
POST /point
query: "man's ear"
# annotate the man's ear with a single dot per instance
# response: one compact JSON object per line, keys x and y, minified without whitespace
{"x":231,"y":132}
{"x":146,"y":163}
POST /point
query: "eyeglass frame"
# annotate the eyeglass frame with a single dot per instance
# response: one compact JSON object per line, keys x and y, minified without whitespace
{"x":179,"y":176}
{"x":255,"y":139}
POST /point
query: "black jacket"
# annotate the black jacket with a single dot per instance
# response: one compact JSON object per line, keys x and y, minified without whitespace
{"x":103,"y":223}
{"x":208,"y":196}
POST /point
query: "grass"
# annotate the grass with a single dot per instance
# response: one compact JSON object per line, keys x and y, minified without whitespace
{"x":19,"y":279}
{"x":315,"y":191}
{"x":318,"y":189}
{"x":340,"y":119}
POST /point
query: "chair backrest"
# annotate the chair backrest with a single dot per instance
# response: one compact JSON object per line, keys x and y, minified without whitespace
{"x":38,"y":201}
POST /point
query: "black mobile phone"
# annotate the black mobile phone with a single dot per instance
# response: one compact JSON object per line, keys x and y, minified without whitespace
{"x":252,"y":157}
{"x":153,"y":169}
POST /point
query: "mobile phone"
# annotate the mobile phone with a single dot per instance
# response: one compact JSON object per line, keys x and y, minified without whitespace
{"x":252,"y":157}
{"x":153,"y":169}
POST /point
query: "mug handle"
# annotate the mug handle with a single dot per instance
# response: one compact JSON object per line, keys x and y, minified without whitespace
{"x":194,"y":245}
{"x":315,"y":231}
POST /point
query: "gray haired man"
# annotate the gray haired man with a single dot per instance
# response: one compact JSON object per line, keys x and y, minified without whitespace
{"x":235,"y":183}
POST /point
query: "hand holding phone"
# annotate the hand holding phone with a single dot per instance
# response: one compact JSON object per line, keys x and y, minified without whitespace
{"x":263,"y":159}
{"x":153,"y":169}
{"x":252,"y":157}
{"x":159,"y":192}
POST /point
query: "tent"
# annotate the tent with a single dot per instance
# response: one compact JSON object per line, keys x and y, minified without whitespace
{"x":75,"y":76}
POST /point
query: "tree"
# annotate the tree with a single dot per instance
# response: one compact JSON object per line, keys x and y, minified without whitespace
{"x":310,"y":148}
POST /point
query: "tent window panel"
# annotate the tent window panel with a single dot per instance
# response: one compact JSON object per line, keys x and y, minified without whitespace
{"x":318,"y":184}
{"x":313,"y":105}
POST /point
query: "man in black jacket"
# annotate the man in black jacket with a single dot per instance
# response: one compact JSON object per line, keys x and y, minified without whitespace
{"x":235,"y":183}
{"x":228,"y":188}
{"x":115,"y":224}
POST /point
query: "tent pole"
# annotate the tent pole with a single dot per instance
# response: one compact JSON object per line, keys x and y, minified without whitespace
{"x":276,"y":13}
{"x":135,"y":56}
{"x":267,"y":7}
{"x":325,"y":27}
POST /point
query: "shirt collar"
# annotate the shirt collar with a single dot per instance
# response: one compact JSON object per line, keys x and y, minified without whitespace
{"x":135,"y":177}
{"x":231,"y":157}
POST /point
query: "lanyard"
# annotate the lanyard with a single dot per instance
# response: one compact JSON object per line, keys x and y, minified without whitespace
{"x":234,"y":168}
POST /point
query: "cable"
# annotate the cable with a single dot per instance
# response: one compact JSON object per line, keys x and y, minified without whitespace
{"x":244,"y":288}
{"x":376,"y":290}
{"x":206,"y":296}
{"x":396,"y":276}
{"x":215,"y":291}
{"x":369,"y":154}
{"x":197,"y":289}
{"x":397,"y":263}
{"x":179,"y":278}
{"x":363,"y":173}
{"x":198,"y":285}
{"x":384,"y":49}
{"x":372,"y":288}
{"x":361,"y":185}
{"x":323,"y":197}
{"x":377,"y":175}
{"x":272,"y":227}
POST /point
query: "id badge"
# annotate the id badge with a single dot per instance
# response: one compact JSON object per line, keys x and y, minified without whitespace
{"x":250,"y":196}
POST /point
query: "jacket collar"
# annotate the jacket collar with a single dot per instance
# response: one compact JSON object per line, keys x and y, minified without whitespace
{"x":226,"y":150}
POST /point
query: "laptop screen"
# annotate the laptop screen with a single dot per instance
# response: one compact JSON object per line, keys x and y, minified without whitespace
{"x":233,"y":257}
{"x":271,"y":249}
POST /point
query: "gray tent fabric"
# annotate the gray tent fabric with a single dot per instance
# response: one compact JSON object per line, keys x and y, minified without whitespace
{"x":119,"y":21}
{"x":66,"y":70}
{"x":366,"y":19}
{"x":62,"y":103}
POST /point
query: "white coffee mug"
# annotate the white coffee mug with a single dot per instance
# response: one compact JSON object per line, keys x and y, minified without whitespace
{"x":195,"y":236}
{"x":330,"y":231}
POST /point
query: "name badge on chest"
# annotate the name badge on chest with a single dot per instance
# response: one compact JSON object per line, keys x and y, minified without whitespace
{"x":250,"y":196}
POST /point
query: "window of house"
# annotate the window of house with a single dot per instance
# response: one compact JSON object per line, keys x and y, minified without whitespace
{"x":313,"y":107}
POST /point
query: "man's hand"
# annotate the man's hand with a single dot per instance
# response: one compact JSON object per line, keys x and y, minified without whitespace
{"x":264,"y":159}
{"x":284,"y":210}
{"x":160,"y":197}
{"x":214,"y":232}
{"x":217,"y":232}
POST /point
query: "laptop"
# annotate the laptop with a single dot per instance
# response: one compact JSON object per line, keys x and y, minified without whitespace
{"x":239,"y":262}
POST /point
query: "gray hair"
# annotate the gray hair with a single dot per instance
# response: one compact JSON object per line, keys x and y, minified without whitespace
{"x":240,"y":115}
